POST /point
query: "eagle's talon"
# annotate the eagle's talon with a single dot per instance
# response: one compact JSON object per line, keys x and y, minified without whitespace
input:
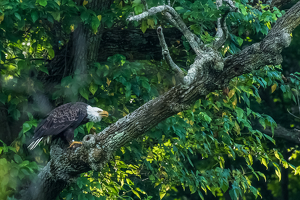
{"x":92,"y":131}
{"x":74,"y":144}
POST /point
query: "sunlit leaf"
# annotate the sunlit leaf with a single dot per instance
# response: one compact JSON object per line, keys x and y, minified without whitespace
{"x":273,"y":88}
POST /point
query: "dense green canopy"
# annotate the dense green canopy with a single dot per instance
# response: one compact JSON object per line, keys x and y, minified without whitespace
{"x":225,"y":145}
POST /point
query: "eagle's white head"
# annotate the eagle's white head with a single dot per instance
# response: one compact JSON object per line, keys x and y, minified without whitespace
{"x":95,"y":114}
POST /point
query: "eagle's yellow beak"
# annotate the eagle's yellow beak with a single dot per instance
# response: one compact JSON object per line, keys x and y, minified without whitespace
{"x":104,"y":113}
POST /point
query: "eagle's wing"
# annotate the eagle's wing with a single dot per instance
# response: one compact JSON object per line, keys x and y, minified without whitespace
{"x":60,"y":119}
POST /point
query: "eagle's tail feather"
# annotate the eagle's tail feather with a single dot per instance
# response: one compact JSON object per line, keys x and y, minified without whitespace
{"x":34,"y":143}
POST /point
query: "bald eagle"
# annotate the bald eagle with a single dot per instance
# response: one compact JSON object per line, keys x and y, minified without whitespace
{"x":63,"y":120}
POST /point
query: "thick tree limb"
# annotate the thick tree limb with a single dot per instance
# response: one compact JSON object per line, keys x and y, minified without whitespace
{"x":203,"y":78}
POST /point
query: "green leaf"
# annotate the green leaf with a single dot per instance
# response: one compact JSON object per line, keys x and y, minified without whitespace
{"x":262,"y":122}
{"x":162,"y":194}
{"x":233,"y":194}
{"x":18,"y":16}
{"x":144,"y":26}
{"x":136,"y":90}
{"x":224,"y":186}
{"x":254,"y":191}
{"x":18,"y":158}
{"x":26,"y":127}
{"x":282,"y":87}
{"x":16,"y":114}
{"x":89,"y":125}
{"x":51,"y":53}
{"x":44,"y":69}
{"x":250,"y":159}
{"x":129,"y":182}
{"x":81,"y":197}
{"x":69,"y":196}
{"x":34,"y":16}
{"x":66,"y":81}
{"x":85,"y":16}
{"x":200,"y":195}
{"x":240,"y":112}
{"x":146,"y":85}
{"x":56,"y":15}
{"x":3,"y":98}
{"x":136,"y":193}
{"x":12,"y":149}
{"x":206,"y":117}
{"x":95,"y":23}
{"x":93,"y":88}
{"x":84,"y":93}
{"x":249,"y":111}
{"x":225,"y":138}
{"x":179,"y":8}
{"x":43,"y":2}
{"x":127,"y":94}
{"x":269,"y":138}
{"x":264,"y":162}
{"x":262,"y":175}
{"x":138,"y":9}
{"x":22,"y":64}
{"x":79,"y":183}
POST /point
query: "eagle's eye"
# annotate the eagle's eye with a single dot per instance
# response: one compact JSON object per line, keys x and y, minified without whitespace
{"x":103,"y":113}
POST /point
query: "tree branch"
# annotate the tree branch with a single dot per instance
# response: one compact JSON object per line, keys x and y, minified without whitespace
{"x":222,"y":31}
{"x":203,"y":77}
{"x":191,"y":38}
{"x":291,"y":135}
{"x":166,"y":54}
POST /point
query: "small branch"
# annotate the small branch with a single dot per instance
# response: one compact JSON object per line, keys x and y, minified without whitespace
{"x":173,"y":3}
{"x":231,"y":4}
{"x":166,"y":55}
{"x":171,"y":19}
{"x":222,"y":31}
{"x":145,"y":4}
{"x":292,"y":114}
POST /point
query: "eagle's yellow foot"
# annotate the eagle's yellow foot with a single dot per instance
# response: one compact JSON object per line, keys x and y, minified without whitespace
{"x":75,"y":144}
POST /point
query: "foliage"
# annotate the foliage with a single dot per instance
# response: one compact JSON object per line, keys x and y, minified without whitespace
{"x":13,"y":170}
{"x":210,"y":147}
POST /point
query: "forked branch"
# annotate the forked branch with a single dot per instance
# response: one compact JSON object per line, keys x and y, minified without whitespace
{"x":222,"y":31}
{"x":175,"y":20}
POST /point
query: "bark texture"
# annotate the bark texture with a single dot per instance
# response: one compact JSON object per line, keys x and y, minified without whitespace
{"x":203,"y":77}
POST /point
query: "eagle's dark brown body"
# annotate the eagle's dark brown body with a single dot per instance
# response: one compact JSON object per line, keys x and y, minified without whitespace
{"x":61,"y":122}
